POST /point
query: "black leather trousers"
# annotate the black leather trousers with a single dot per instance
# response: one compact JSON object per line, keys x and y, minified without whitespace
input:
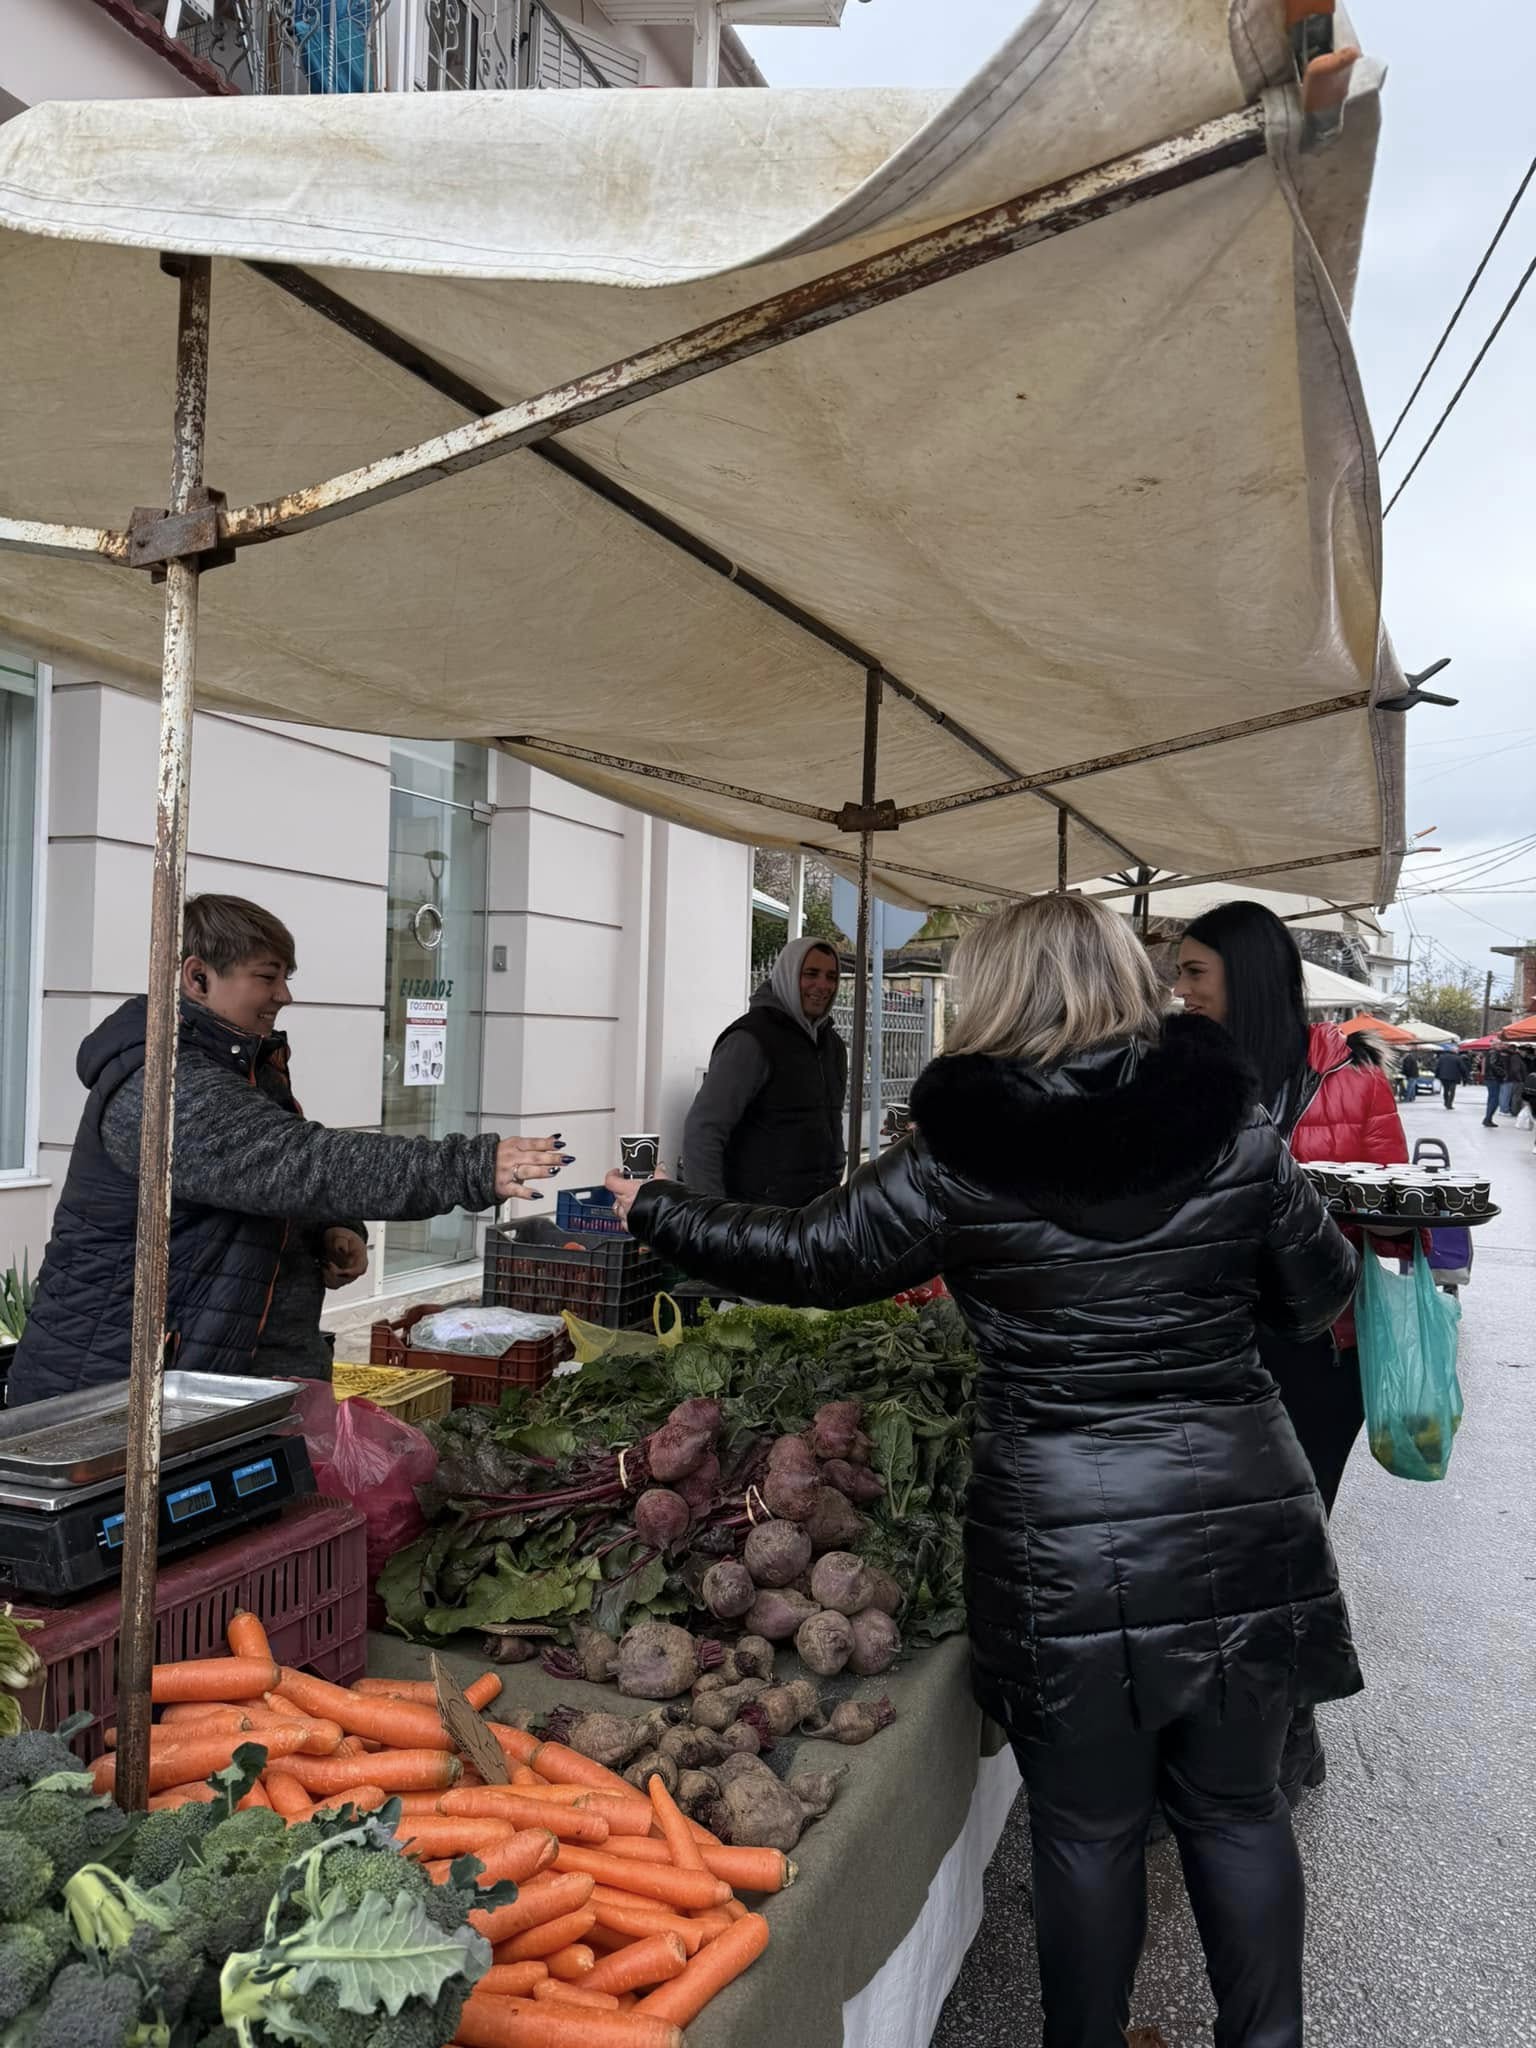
{"x":1089,"y":1806}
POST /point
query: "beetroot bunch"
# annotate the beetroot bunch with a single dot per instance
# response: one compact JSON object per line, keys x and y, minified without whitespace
{"x":683,"y":1466}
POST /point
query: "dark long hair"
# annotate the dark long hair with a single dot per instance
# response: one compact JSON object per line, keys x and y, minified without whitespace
{"x":1266,"y":997}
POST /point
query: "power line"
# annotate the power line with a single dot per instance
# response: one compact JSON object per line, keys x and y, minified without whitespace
{"x":1509,"y":306}
{"x":1461,"y":306}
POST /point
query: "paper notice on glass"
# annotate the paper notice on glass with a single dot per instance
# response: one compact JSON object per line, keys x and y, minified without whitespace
{"x":426,"y":1042}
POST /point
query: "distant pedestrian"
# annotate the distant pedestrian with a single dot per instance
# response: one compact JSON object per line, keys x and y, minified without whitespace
{"x":1516,"y":1072}
{"x":1450,"y":1072}
{"x":1408,"y":1075}
{"x":1493,"y":1080}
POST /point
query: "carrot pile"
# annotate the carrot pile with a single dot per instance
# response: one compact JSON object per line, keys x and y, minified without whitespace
{"x":626,"y":1923}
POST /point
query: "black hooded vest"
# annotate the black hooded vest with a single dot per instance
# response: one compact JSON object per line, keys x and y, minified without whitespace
{"x":788,"y":1148}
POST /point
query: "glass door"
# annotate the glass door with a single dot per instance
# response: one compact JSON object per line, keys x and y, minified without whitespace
{"x":435,"y":987}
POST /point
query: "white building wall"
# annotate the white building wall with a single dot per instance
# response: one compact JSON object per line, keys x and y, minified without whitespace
{"x":71,"y":50}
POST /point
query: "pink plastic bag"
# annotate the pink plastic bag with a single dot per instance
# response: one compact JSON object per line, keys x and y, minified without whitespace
{"x":367,"y":1456}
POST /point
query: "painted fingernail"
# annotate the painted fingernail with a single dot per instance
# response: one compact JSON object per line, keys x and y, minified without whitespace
{"x":534,"y":1197}
{"x":567,"y":1159}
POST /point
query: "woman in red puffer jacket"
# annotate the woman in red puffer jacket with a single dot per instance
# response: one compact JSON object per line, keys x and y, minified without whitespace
{"x":1239,"y":966}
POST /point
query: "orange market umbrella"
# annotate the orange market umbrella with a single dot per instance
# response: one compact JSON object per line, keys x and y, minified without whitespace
{"x":1523,"y":1027}
{"x":1392,"y":1033}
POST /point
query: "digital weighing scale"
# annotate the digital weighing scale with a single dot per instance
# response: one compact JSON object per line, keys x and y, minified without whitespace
{"x":62,"y":1465}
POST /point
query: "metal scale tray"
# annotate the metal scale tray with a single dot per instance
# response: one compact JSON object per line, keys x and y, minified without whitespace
{"x":81,"y":1439}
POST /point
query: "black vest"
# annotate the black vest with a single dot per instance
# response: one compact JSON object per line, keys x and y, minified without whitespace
{"x":223,"y":1264}
{"x":788,"y":1148}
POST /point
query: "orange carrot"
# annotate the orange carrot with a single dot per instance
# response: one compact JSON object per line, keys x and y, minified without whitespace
{"x":246,"y":1637}
{"x":553,"y":1992}
{"x":632,"y":1923}
{"x":252,"y":1717}
{"x":196,"y":1756}
{"x":182,"y":1795}
{"x":257,"y":1796}
{"x":421,"y":1692}
{"x":733,"y":1909}
{"x":638,"y":1848}
{"x":549,"y":1896}
{"x":511,"y":1980}
{"x":395,"y":1722}
{"x":420,"y":1802}
{"x":280,"y":1704}
{"x":674,"y":1828}
{"x":522,"y":1775}
{"x":564,"y":1766}
{"x":522,"y":1856}
{"x":711,"y":1970}
{"x":491,"y":1802}
{"x":445,"y":1834}
{"x":288,"y":1796}
{"x":571,"y":1965}
{"x":366,"y":1798}
{"x":631,"y":1815}
{"x":656,"y":1960}
{"x":518,"y":1744}
{"x":397,"y":1770}
{"x":686,"y":1890}
{"x":205,"y":1711}
{"x":212,"y":1678}
{"x":751,"y":1870}
{"x":519,"y":2023}
{"x":550,"y":1936}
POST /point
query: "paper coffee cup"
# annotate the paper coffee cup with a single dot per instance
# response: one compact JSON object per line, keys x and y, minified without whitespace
{"x":640,"y":1154}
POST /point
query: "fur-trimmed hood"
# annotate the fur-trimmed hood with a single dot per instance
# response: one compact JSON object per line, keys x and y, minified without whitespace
{"x":1124,"y":1131}
{"x":1329,"y":1047}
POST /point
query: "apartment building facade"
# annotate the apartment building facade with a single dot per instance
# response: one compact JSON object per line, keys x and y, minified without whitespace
{"x":480,"y":946}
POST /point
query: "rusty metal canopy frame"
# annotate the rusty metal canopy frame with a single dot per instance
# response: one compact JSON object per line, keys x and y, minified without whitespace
{"x":196,"y":532}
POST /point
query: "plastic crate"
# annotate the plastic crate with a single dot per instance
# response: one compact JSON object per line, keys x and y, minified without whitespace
{"x":303,"y":1575}
{"x":545,"y":1269}
{"x":413,"y":1396}
{"x":477,"y":1382}
{"x":590,"y":1211}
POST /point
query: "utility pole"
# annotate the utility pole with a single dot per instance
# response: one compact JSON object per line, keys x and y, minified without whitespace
{"x":1487,"y":1001}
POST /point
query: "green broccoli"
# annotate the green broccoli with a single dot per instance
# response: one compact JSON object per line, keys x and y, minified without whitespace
{"x":355,"y":1870}
{"x":169,"y":1839}
{"x":26,"y":1877}
{"x":71,"y":1825}
{"x":420,"y":2023}
{"x":225,"y":1891}
{"x":87,"y":2010}
{"x":27,"y":1758}
{"x":30,"y":1952}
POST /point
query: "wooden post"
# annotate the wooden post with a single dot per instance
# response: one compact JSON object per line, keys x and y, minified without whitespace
{"x":141,"y":1517}
{"x":857,"y":1051}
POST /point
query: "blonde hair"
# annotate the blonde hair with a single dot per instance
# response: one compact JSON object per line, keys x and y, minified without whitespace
{"x":1050,"y":977}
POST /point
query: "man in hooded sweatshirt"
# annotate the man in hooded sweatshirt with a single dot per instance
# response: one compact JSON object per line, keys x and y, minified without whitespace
{"x":767,"y":1125}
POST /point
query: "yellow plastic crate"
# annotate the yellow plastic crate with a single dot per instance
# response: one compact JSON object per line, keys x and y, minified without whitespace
{"x":413,"y":1396}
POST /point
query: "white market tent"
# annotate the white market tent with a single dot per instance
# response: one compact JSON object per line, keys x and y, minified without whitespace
{"x":1426,"y":1034}
{"x":1326,"y":990}
{"x":993,"y":468}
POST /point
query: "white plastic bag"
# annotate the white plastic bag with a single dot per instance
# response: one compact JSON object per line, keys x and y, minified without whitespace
{"x":1525,"y":1121}
{"x":480,"y":1332}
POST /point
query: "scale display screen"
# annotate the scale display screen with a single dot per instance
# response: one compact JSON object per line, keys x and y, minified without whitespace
{"x":255,"y":1478}
{"x":112,"y":1532}
{"x":188,"y":1501}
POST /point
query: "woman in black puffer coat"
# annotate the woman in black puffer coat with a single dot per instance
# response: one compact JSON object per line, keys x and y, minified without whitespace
{"x":1150,"y":1586}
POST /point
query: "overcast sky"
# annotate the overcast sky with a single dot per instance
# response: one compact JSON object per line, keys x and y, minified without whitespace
{"x":1459,"y":132}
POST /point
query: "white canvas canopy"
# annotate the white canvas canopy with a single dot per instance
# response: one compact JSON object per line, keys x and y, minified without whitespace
{"x":1425,"y":1034}
{"x":1326,"y":990}
{"x":1104,"y":494}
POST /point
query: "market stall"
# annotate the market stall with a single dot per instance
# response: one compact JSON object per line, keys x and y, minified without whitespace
{"x":918,"y":462}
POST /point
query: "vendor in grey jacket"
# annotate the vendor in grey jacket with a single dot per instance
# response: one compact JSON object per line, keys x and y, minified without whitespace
{"x":767,"y":1125}
{"x":265,"y":1204}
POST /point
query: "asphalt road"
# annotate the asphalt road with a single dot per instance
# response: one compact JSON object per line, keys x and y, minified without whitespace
{"x":1420,"y":1850}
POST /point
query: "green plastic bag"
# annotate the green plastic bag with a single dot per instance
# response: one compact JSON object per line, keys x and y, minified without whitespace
{"x":591,"y":1340}
{"x":1407,"y":1332}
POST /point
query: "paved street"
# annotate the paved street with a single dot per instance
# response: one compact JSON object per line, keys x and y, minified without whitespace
{"x":1419,"y":1849}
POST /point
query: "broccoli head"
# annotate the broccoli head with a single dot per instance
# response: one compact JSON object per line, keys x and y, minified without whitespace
{"x":72,"y":1826}
{"x":30,"y":1952}
{"x":420,"y":2023}
{"x":226,"y":1890}
{"x":30,"y":1756}
{"x":167,"y":1968}
{"x":355,"y":1870}
{"x":26,"y":1877}
{"x":169,"y":1839}
{"x":87,"y":2010}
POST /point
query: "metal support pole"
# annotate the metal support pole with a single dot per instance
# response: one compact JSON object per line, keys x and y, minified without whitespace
{"x":876,"y":1027}
{"x":141,"y":1519}
{"x":1141,"y":908}
{"x":1063,"y":826}
{"x":797,"y":896}
{"x":856,"y":1051}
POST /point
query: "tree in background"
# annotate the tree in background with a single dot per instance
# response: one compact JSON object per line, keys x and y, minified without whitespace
{"x":771,"y":874}
{"x":1449,"y":1005}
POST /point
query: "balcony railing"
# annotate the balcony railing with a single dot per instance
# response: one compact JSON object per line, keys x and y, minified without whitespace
{"x":328,"y":46}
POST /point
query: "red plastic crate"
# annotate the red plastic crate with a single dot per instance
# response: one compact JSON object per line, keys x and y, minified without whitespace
{"x":304,"y":1576}
{"x":477,"y":1382}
